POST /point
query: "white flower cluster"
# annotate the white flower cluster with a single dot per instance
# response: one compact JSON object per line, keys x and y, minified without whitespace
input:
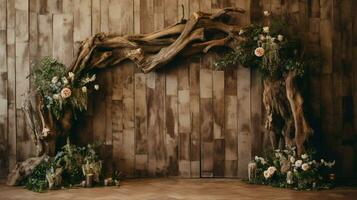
{"x":269,"y":172}
{"x":265,"y":37}
{"x":260,"y":159}
{"x":294,"y":168}
{"x":62,"y":86}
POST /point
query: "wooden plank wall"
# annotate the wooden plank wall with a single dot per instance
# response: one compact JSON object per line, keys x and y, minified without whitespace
{"x":185,"y":120}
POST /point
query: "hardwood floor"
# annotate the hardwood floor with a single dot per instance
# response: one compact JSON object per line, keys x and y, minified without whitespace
{"x":173,"y":189}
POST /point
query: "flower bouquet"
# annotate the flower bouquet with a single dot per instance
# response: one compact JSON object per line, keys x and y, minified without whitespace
{"x":285,"y":169}
{"x":62,"y":90}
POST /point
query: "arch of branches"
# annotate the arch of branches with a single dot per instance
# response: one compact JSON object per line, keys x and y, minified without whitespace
{"x":198,"y":34}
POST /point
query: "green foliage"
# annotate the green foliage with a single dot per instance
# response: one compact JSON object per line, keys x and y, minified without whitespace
{"x":282,"y":50}
{"x":60,"y":90}
{"x":71,"y":159}
{"x":283,"y":168}
{"x":37,"y":180}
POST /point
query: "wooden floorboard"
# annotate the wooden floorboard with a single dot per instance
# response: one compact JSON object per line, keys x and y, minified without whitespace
{"x":172,"y":189}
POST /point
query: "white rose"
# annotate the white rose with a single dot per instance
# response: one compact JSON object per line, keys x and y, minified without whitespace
{"x":292,"y":159}
{"x":271,"y":170}
{"x":304,"y":156}
{"x":298,"y":163}
{"x":266,"y":13}
{"x":96,"y":87}
{"x":241,"y":31}
{"x":259,"y":52}
{"x":266,"y":174}
{"x":84,"y":89}
{"x":266,"y":29}
{"x":256,"y":158}
{"x":305,"y":166}
{"x":56,"y":96}
{"x":54,"y":79}
{"x":280,"y":37}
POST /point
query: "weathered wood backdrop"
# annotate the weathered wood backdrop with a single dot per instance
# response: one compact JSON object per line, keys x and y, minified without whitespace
{"x":186,"y":120}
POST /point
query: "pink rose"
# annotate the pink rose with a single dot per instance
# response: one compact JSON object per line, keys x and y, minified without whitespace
{"x":259,"y":52}
{"x":66,"y":92}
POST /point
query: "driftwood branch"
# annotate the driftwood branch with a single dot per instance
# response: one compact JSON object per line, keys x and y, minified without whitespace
{"x":154,"y":50}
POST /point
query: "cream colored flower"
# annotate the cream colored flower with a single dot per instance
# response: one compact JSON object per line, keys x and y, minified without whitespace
{"x":329,"y":164}
{"x":266,"y":13}
{"x":271,"y":170}
{"x":241,"y":31}
{"x":266,"y":29}
{"x":292,"y":159}
{"x":54,"y":79}
{"x":71,"y":75}
{"x":92,"y":78}
{"x":298,"y":163}
{"x":66,"y":92}
{"x":64,"y":80}
{"x":305,"y":166}
{"x":304,"y":156}
{"x":289,"y":178}
{"x":259,"y":52}
{"x":96,"y":87}
{"x":56,"y":96}
{"x":84,"y":89}
{"x":280,"y":37}
{"x":262,"y":37}
{"x":266,"y":174}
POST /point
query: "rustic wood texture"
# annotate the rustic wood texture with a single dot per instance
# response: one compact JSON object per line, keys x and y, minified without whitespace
{"x":187,"y":120}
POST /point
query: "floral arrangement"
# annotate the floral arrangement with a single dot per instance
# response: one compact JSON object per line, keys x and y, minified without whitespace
{"x":68,"y":169}
{"x":274,"y":48}
{"x":284,"y":168}
{"x":62,"y":90}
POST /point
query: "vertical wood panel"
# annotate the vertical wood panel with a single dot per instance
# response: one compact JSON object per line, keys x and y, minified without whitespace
{"x":141,"y":138}
{"x":184,"y":119}
{"x":63,"y":38}
{"x":128,"y":119}
{"x":10,"y":44}
{"x":206,"y":117}
{"x":218,"y":124}
{"x":3,"y":92}
{"x":82,"y":20}
{"x":194,"y":72}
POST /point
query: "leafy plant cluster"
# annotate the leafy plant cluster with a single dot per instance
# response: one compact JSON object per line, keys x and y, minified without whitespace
{"x":274,"y":49}
{"x":59,"y":89}
{"x":69,"y":161}
{"x":283,"y":168}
